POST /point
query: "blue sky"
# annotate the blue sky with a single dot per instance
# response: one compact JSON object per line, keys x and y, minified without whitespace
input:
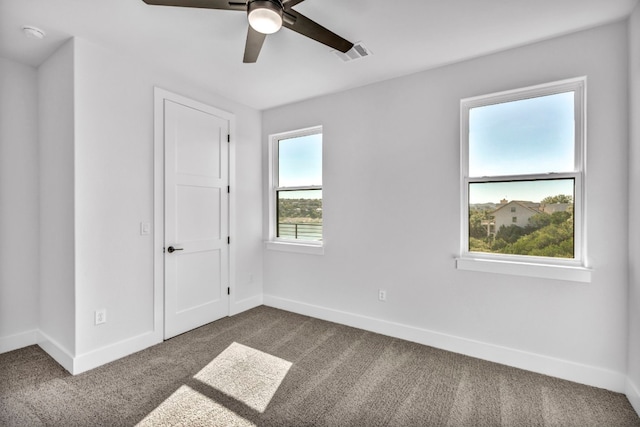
{"x":300,"y":163}
{"x":530,"y":136}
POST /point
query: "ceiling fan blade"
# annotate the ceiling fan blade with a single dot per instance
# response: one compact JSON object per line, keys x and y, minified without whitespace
{"x":253,"y":45}
{"x":305,"y":26}
{"x":204,"y":4}
{"x":288,"y":4}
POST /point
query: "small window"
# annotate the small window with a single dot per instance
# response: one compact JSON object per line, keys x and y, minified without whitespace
{"x":296,"y":190}
{"x":525,"y":147}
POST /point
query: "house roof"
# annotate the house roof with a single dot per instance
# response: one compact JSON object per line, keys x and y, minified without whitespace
{"x":531,"y":206}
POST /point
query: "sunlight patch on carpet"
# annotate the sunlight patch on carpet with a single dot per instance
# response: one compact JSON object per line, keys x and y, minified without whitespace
{"x":187,"y":407}
{"x":246,"y":374}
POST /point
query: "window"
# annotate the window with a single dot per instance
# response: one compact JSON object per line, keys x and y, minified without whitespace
{"x":296,"y":190}
{"x":524,"y":149}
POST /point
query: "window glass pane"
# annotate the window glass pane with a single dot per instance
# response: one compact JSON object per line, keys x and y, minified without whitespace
{"x":522,"y":217}
{"x":300,"y":161}
{"x":299,"y":215}
{"x":521,"y":137}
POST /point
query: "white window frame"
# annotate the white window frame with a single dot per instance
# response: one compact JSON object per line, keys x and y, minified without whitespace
{"x":575,"y":269}
{"x":279,"y":243}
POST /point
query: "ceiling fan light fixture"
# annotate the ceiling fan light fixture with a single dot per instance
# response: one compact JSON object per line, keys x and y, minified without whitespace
{"x":265,"y":16}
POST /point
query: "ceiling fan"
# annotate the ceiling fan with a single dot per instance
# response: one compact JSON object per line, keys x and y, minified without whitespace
{"x":267,"y":17}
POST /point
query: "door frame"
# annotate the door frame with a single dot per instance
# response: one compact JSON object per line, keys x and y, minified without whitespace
{"x":159,"y":96}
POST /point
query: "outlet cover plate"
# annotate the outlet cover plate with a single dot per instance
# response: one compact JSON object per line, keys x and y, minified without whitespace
{"x":101,"y":316}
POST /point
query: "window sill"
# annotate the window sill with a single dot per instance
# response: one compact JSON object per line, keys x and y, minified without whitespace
{"x":545,"y":271}
{"x":295,"y":247}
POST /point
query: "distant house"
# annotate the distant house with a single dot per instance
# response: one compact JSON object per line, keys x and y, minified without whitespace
{"x":515,"y":212}
{"x":518,"y":212}
{"x":555,"y":207}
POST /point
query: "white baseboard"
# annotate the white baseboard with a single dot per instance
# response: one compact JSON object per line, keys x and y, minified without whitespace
{"x":109,"y":353}
{"x":559,"y":368}
{"x":633,"y":394}
{"x":246,"y":304}
{"x":16,"y":341}
{"x":84,"y":362}
{"x":56,"y":351}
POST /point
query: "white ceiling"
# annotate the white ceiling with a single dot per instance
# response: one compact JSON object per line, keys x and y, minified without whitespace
{"x":206,"y":46}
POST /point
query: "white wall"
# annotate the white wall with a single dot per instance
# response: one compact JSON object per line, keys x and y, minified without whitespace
{"x":95,"y":184}
{"x":114,"y":193}
{"x":19,"y":263}
{"x":633,"y":385}
{"x":392,"y":217}
{"x":57,"y":233}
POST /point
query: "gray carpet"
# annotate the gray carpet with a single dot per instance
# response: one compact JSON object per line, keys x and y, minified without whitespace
{"x":268,"y":367}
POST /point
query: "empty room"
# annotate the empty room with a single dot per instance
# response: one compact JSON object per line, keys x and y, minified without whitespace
{"x":320,"y":213}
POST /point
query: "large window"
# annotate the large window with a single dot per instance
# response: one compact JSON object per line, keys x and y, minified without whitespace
{"x":296,"y":187}
{"x":523,"y":175}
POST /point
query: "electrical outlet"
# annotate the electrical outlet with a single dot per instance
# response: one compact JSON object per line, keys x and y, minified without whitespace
{"x":382,"y":295}
{"x":101,"y":316}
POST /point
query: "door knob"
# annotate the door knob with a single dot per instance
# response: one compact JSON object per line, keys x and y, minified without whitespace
{"x":171,"y":249}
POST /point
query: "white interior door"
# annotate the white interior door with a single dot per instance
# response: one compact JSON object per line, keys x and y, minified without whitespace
{"x":196,"y":256}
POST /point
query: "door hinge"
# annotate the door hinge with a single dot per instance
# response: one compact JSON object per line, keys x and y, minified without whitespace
{"x":228,"y":189}
{"x":228,"y":137}
{"x":228,"y":240}
{"x":228,"y":291}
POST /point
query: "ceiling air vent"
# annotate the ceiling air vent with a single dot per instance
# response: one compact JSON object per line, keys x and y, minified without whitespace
{"x":359,"y":50}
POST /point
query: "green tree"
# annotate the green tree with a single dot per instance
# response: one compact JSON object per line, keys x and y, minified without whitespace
{"x":510,"y":234}
{"x":538,"y":221}
{"x":300,"y":210}
{"x":476,"y":229}
{"x":560,"y":198}
{"x":479,"y":245}
{"x":554,"y":240}
{"x":561,"y":217}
